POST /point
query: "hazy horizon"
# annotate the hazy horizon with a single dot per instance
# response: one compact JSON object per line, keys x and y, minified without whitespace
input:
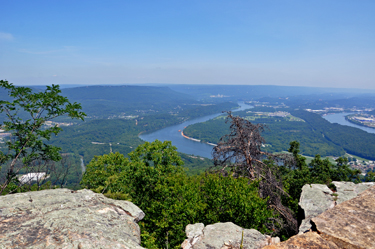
{"x":319,"y":43}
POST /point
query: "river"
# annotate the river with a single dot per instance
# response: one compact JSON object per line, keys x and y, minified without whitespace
{"x":184,"y":145}
{"x":339,"y":118}
{"x":187,"y":146}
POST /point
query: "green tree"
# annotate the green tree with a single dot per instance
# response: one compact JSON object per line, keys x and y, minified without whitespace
{"x":343,"y":172}
{"x":240,"y":154}
{"x":320,"y":171}
{"x":27,"y":142}
{"x":370,"y":177}
{"x":295,"y":175}
{"x":102,"y":175}
{"x":154,"y":180}
{"x":236,"y":200}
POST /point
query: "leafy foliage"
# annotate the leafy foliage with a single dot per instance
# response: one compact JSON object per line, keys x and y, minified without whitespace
{"x":27,"y":141}
{"x":316,"y":135}
{"x":154,"y":180}
{"x":297,"y":173}
{"x":239,"y":154}
{"x":152,"y":177}
{"x":353,"y":140}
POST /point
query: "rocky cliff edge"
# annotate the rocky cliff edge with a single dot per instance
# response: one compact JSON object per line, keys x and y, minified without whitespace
{"x":62,"y":218}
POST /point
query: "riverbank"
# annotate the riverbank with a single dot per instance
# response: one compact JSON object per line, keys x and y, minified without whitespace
{"x":192,"y":139}
{"x":339,"y":118}
{"x":349,"y":119}
{"x":183,"y":144}
{"x":196,"y":140}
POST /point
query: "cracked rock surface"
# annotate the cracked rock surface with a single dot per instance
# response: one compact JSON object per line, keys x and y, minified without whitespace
{"x":62,"y":218}
{"x":317,"y":198}
{"x":224,"y":236}
{"x":350,"y":224}
{"x":310,"y":240}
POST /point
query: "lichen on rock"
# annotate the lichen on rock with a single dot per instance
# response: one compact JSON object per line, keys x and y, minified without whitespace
{"x":225,"y":236}
{"x":351,"y":224}
{"x":317,"y":198}
{"x":62,"y":218}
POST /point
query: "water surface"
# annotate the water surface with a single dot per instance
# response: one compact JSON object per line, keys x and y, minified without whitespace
{"x":339,"y":118}
{"x":172,"y":133}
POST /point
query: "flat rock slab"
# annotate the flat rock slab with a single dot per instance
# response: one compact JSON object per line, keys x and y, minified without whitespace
{"x":62,"y":218}
{"x":314,"y":200}
{"x":317,"y":198}
{"x":350,"y":224}
{"x":349,"y":190}
{"x":310,"y":240}
{"x":224,"y":236}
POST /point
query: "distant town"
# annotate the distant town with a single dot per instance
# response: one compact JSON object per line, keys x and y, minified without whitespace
{"x":362,"y":119}
{"x":362,"y":165}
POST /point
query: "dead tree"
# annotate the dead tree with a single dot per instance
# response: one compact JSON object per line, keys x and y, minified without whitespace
{"x":240,"y":154}
{"x":240,"y":150}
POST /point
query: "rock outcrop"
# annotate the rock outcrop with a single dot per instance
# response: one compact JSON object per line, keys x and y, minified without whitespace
{"x":225,"y":236}
{"x":314,"y":200}
{"x":62,"y":218}
{"x":350,"y":224}
{"x":317,"y":198}
{"x":310,"y":240}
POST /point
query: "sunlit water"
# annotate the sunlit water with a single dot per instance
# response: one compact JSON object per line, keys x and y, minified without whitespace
{"x":339,"y":118}
{"x":184,"y":145}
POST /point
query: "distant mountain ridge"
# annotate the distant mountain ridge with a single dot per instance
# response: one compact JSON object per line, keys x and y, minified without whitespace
{"x":254,"y":92}
{"x":102,"y":101}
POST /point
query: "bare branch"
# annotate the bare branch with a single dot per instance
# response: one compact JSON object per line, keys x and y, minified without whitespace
{"x":239,"y":153}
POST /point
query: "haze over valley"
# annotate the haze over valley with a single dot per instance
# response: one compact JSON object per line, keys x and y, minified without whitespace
{"x":118,"y":115}
{"x":194,"y":111}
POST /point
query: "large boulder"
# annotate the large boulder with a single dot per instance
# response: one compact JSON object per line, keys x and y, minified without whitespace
{"x":62,"y":218}
{"x":224,"y":236}
{"x":310,"y":240}
{"x":317,"y":198}
{"x":350,"y":224}
{"x":348,"y":190}
{"x":314,"y":200}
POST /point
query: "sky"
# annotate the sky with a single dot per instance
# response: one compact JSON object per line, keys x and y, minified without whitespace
{"x":322,"y":43}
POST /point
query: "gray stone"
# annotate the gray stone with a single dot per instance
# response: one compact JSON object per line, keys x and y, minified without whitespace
{"x":62,"y":218}
{"x":314,"y":200}
{"x":194,"y":232}
{"x":349,"y":190}
{"x":317,"y":198}
{"x":350,"y":224}
{"x":224,"y":236}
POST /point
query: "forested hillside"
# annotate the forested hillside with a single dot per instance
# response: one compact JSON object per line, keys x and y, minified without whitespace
{"x":98,"y":137}
{"x":256,"y":92}
{"x":103,"y":101}
{"x":316,"y":135}
{"x":278,"y":134}
{"x":352,"y":140}
{"x":116,"y":116}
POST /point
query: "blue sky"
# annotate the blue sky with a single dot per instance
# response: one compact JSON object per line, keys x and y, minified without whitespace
{"x":325,"y":43}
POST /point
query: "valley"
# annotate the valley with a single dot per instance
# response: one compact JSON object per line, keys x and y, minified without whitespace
{"x":120,"y":118}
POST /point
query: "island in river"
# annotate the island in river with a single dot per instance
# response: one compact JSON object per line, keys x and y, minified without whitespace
{"x":365,"y":120}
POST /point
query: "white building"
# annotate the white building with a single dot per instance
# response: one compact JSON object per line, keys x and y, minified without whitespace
{"x":31,"y":177}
